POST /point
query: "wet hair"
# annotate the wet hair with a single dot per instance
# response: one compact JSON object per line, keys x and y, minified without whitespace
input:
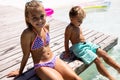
{"x":77,"y":11}
{"x":29,"y":6}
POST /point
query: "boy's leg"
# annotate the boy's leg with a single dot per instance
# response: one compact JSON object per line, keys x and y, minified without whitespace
{"x":65,"y":70}
{"x":102,"y":70}
{"x":108,"y":59}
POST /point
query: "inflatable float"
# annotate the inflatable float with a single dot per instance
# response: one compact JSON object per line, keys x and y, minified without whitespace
{"x":49,"y":11}
{"x":99,"y":4}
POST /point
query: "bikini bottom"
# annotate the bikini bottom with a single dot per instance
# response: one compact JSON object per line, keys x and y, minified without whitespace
{"x":50,"y":63}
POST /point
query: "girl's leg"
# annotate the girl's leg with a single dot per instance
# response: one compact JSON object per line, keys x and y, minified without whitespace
{"x":108,"y":59}
{"x":65,"y":70}
{"x":102,"y":70}
{"x":46,"y":73}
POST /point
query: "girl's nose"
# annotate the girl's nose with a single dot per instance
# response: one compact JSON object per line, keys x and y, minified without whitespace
{"x":40,"y":20}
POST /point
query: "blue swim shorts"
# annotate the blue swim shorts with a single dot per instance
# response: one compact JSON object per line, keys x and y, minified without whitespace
{"x":86,"y":51}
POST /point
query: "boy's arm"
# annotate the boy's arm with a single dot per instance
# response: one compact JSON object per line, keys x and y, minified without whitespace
{"x":66,"y":41}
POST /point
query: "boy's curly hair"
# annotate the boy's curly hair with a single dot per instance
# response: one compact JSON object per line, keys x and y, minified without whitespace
{"x":77,"y":10}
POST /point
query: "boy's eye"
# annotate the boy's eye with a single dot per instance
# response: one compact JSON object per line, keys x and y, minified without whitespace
{"x":79,"y":20}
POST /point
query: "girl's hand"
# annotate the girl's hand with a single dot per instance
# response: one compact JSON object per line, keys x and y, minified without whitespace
{"x":13,"y":73}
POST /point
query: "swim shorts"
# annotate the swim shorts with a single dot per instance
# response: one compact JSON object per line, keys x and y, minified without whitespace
{"x":85,"y":51}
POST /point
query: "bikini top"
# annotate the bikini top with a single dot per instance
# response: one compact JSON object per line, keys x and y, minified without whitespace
{"x":39,"y":42}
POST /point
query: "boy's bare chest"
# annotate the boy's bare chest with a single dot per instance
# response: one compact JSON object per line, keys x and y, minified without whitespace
{"x":75,"y":34}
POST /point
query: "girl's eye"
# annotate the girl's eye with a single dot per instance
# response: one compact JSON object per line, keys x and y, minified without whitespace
{"x":35,"y":19}
{"x":42,"y":16}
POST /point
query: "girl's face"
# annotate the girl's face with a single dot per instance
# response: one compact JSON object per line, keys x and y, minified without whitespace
{"x":37,"y":17}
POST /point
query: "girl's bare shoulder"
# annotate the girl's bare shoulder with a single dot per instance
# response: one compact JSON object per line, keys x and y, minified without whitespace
{"x":27,"y":33}
{"x":47,"y":27}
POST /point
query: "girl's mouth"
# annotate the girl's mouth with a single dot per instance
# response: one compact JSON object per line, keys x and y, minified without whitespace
{"x":40,"y":25}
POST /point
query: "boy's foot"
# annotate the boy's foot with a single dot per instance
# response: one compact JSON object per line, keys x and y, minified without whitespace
{"x":118,"y":70}
{"x":113,"y":79}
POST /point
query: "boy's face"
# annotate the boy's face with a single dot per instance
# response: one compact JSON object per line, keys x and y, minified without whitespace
{"x":37,"y":17}
{"x":76,"y":20}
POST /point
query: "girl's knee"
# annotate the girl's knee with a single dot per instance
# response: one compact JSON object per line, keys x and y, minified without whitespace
{"x":77,"y":78}
{"x":74,"y":78}
{"x":56,"y":77}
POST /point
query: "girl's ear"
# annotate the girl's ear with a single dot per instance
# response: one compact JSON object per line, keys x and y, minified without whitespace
{"x":71,"y":19}
{"x":27,"y":19}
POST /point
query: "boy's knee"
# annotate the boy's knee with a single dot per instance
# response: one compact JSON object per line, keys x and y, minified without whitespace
{"x":101,"y":51}
{"x":97,"y":60}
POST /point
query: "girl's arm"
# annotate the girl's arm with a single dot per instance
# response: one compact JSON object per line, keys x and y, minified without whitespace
{"x":25,"y":45}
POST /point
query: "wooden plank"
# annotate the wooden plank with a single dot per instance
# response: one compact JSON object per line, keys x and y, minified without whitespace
{"x":109,"y":42}
{"x":12,"y":26}
{"x":13,"y":65}
{"x":94,"y":37}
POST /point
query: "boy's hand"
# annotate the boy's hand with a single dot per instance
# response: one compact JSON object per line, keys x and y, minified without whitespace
{"x":13,"y":73}
{"x":66,"y":55}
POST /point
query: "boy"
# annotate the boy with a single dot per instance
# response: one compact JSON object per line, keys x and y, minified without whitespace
{"x":87,"y":51}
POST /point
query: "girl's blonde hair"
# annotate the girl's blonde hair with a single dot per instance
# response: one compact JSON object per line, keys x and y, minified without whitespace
{"x":29,"y":6}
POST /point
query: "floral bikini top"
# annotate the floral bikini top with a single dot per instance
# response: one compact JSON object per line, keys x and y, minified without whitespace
{"x":39,"y":42}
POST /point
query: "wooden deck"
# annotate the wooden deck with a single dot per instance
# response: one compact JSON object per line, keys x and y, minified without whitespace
{"x":11,"y":26}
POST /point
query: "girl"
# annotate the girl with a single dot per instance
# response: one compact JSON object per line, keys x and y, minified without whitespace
{"x":35,"y":40}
